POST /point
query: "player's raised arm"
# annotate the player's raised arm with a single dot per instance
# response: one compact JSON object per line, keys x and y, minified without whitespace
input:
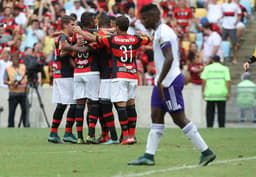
{"x":88,"y":36}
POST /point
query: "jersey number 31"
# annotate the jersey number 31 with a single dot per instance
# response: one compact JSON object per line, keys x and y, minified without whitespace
{"x":125,"y":52}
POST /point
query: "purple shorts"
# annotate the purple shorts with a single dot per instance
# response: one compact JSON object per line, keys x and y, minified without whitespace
{"x":173,"y":96}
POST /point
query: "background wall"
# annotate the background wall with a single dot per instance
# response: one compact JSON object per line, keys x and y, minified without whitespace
{"x":194,"y":106}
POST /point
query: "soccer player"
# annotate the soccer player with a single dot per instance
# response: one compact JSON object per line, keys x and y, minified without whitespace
{"x":105,"y":87}
{"x":124,"y":74}
{"x":167,"y":93}
{"x":87,"y":82}
{"x":63,"y":68}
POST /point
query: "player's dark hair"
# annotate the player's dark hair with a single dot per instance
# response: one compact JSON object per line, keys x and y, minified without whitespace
{"x":113,"y":18}
{"x":150,"y":8}
{"x":66,"y":19}
{"x":86,"y":19}
{"x":104,"y":21}
{"x":73,"y":15}
{"x":122,"y":22}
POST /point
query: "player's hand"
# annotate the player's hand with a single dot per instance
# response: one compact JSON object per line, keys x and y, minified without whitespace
{"x":77,"y":29}
{"x":160,"y":88}
{"x":246,"y":66}
{"x":82,"y":49}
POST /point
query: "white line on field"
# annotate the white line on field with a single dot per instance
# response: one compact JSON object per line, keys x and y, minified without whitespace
{"x":184,"y":167}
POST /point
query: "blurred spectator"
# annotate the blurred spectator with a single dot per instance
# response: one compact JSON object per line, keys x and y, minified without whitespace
{"x":79,"y":10}
{"x":170,"y":20}
{"x":20,"y":17}
{"x":34,"y":34}
{"x":211,"y":44}
{"x":5,"y":37}
{"x":241,"y":24}
{"x":8,"y":20}
{"x":167,"y":6}
{"x":135,"y":24}
{"x":213,"y":11}
{"x":4,"y":63}
{"x":48,"y":43}
{"x":23,"y":8}
{"x":230,"y":18}
{"x":183,"y":15}
{"x":216,"y":90}
{"x":246,"y":97}
{"x":195,"y":68}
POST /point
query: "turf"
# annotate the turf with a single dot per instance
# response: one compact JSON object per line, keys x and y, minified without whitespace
{"x":26,"y":153}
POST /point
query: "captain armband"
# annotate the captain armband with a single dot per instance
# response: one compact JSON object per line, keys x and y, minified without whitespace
{"x":252,"y":59}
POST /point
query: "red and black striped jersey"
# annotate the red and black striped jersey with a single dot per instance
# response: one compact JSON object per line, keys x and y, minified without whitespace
{"x":61,"y":66}
{"x":87,"y":62}
{"x":195,"y":77}
{"x":105,"y":60}
{"x":182,"y":16}
{"x":9,"y":23}
{"x":123,"y":51}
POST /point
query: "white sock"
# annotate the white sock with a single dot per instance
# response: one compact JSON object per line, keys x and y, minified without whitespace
{"x":194,"y":137}
{"x":154,"y":136}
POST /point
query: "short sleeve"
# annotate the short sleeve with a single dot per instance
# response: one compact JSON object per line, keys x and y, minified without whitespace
{"x":166,"y":37}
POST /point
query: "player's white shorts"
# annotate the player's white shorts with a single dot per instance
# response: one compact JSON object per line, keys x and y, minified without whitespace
{"x":87,"y":86}
{"x":63,"y":91}
{"x":105,"y":89}
{"x":240,"y":25}
{"x":123,"y":90}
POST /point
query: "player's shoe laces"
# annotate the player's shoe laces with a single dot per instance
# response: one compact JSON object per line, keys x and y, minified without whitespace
{"x":54,"y":139}
{"x":129,"y":140}
{"x":142,"y":161}
{"x":91,"y":140}
{"x":69,"y":137}
{"x":206,"y":159}
{"x":80,"y":141}
{"x":110,"y":141}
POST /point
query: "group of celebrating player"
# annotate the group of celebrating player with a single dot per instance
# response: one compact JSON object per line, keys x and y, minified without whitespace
{"x":105,"y":72}
{"x":97,"y":69}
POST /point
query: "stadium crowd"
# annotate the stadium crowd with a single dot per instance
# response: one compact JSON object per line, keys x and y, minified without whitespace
{"x":28,"y":27}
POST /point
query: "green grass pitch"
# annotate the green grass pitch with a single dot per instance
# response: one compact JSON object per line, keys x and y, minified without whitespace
{"x":26,"y":153}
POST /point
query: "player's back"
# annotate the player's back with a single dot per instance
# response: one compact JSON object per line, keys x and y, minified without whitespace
{"x":124,"y":48}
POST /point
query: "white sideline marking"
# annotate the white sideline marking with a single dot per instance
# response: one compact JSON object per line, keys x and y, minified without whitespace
{"x":184,"y":167}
